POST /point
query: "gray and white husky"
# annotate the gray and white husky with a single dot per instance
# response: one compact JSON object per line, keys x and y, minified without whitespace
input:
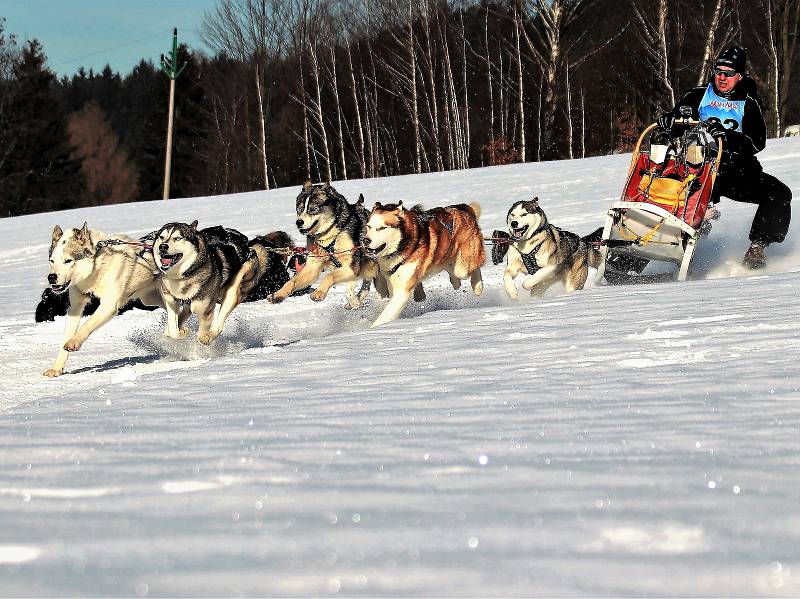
{"x":207,"y":267}
{"x":114,"y":274}
{"x":542,"y":251}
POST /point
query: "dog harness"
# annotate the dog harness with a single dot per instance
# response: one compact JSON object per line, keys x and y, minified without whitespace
{"x":529,"y":259}
{"x":331,"y":251}
{"x":424,"y":217}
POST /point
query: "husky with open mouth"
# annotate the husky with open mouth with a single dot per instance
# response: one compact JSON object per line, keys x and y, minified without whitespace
{"x":333,"y":228}
{"x":411,"y":245}
{"x":543,"y":251}
{"x":114,"y":274}
{"x":211,"y":266}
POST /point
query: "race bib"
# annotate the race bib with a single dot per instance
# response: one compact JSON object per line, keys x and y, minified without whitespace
{"x":717,"y":109}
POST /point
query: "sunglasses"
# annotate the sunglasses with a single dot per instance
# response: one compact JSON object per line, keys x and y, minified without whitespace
{"x":724,"y":72}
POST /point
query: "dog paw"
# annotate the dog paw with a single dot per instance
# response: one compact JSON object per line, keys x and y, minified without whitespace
{"x":317,"y":296}
{"x":182,"y":332}
{"x":477,"y":288}
{"x":207,"y":338}
{"x":52,"y":373}
{"x":353,"y":304}
{"x":73,"y":344}
{"x":274,"y":298}
{"x":529,"y":283}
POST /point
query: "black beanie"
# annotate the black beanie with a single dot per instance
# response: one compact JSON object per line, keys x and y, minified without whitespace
{"x":734,"y":58}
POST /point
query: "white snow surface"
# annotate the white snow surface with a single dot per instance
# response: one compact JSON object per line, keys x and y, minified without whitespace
{"x":636,"y":440}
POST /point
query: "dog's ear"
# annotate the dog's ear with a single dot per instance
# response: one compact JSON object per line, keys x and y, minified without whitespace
{"x":360,"y":201}
{"x":377,"y":206}
{"x":194,"y":225}
{"x":83,"y":233}
{"x":400,"y":208}
{"x":57,"y":234}
{"x":307,"y":185}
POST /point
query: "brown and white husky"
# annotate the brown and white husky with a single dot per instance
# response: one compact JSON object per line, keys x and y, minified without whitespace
{"x":411,"y":245}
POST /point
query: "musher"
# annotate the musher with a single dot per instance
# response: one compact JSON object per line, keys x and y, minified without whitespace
{"x":730,"y":103}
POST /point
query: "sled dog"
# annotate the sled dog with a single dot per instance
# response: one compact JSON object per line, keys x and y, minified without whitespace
{"x":333,"y":228}
{"x":207,"y":267}
{"x":411,"y":245}
{"x":114,"y":274}
{"x":544,"y":252}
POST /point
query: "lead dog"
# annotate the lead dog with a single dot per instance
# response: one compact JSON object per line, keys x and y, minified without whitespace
{"x":114,"y":275}
{"x":333,"y":228}
{"x":411,"y":245}
{"x":543,"y":251}
{"x":208,"y":267}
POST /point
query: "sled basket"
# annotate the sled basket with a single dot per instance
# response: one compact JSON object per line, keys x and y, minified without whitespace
{"x":663,"y":203}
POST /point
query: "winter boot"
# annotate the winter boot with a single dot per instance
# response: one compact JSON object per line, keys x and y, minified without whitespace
{"x":754,"y":257}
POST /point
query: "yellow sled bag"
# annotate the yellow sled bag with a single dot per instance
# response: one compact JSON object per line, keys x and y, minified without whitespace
{"x":668,"y":192}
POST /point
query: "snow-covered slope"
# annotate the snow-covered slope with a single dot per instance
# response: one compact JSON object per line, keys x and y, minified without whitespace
{"x":630,"y":440}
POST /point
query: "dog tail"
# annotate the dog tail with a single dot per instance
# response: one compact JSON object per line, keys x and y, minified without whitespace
{"x":476,"y":208}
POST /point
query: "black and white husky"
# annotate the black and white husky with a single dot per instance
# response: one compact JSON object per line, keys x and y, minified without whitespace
{"x":542,"y":251}
{"x":334,"y":229}
{"x":207,"y":267}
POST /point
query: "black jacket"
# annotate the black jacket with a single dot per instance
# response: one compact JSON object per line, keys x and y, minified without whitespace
{"x":739,"y":148}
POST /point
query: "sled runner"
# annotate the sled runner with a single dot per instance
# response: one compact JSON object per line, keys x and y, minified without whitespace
{"x":661,"y":212}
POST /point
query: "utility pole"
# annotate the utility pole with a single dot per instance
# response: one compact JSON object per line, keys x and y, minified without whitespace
{"x":169,"y":64}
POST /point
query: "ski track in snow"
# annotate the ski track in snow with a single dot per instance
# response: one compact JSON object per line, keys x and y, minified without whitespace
{"x":632,"y":440}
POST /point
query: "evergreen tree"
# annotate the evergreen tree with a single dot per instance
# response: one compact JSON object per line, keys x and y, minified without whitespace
{"x":141,"y":122}
{"x":39,"y":174}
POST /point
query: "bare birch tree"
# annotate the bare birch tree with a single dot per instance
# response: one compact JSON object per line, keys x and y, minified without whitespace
{"x":652,"y":19}
{"x":250,"y":31}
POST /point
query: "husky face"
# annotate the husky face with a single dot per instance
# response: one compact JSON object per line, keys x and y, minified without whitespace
{"x":176,"y":247}
{"x":316,"y":212}
{"x":384,"y":233}
{"x":69,"y":253}
{"x":524,"y":219}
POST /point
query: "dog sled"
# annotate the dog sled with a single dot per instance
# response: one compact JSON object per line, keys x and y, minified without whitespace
{"x":662,"y":212}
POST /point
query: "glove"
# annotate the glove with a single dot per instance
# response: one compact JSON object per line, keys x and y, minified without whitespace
{"x":717,"y":130}
{"x":665,"y":121}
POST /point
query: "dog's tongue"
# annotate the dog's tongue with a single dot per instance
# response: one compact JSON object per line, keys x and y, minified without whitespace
{"x":166,"y":261}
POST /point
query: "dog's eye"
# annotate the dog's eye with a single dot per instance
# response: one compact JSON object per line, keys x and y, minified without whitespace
{"x":68,"y":261}
{"x":177,"y":238}
{"x":52,"y":262}
{"x":380,"y":228}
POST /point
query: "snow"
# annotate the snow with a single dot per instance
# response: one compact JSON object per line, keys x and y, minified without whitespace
{"x":628,"y":440}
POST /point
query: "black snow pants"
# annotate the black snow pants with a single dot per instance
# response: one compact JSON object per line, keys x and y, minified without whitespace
{"x":754,"y":186}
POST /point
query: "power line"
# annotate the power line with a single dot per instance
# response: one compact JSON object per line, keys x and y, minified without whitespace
{"x":136,"y":41}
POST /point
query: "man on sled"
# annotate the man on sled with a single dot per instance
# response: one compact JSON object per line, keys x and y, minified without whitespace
{"x":730,"y":103}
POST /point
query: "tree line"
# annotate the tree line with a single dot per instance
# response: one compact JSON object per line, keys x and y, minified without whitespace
{"x":289,"y":90}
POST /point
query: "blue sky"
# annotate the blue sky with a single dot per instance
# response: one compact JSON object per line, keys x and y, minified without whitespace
{"x":91,"y":33}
